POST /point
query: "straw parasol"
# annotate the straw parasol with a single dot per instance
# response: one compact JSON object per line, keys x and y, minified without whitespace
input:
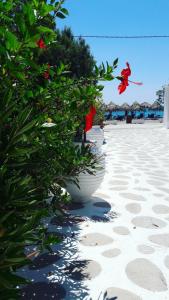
{"x":136,"y":106}
{"x":112,"y":106}
{"x":125,"y":106}
{"x":145,"y":105}
{"x":156,"y":105}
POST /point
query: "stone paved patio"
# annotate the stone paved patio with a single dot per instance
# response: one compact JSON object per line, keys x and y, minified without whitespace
{"x":121,"y":243}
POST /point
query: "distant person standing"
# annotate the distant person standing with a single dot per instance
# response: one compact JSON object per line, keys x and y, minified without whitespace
{"x":129,"y":117}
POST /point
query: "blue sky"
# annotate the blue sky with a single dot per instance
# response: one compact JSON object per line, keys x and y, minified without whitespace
{"x":148,"y":58}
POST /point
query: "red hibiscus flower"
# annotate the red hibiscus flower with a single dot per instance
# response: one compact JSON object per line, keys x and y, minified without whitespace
{"x":41,"y":44}
{"x":89,"y":118}
{"x":125,"y":73}
{"x":122,"y":86}
{"x":46,"y":74}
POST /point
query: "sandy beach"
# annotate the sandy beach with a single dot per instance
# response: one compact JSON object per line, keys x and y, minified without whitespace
{"x":121,"y":241}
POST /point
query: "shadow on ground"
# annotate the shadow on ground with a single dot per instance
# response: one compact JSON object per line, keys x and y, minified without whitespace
{"x":62,"y":274}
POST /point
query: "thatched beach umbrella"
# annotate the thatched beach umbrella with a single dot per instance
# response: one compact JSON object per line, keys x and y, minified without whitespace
{"x":125,"y":106}
{"x":112,"y":106}
{"x":156,"y":105}
{"x":136,"y":106}
{"x":145,"y":105}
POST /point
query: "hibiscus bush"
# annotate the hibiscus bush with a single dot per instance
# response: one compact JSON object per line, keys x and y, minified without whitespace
{"x":35,"y":157}
{"x":42,"y":109}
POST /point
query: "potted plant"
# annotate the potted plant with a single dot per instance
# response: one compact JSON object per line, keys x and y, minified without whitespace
{"x":85,"y":181}
{"x":82,"y":185}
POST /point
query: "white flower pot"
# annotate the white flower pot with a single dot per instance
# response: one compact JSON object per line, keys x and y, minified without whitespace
{"x":96,"y":134}
{"x":88,"y":184}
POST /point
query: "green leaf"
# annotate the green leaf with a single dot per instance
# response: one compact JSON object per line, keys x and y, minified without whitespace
{"x":103,"y":67}
{"x":46,"y":9}
{"x":60,"y":15}
{"x":21,"y":24}
{"x":29,"y":94}
{"x":52,"y":239}
{"x":8,"y":5}
{"x":108,"y":77}
{"x":115,"y":62}
{"x":6,"y":216}
{"x":44,"y":29}
{"x":29,"y":13}
{"x":20,"y":76}
{"x":17,"y":135}
{"x":109,"y":68}
{"x":2,"y":30}
{"x":5,"y":18}
{"x":96,"y":70}
{"x":16,"y":259}
{"x":64,"y":11}
{"x":11,"y":42}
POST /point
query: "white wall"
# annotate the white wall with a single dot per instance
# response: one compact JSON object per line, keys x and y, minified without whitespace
{"x":166,"y":106}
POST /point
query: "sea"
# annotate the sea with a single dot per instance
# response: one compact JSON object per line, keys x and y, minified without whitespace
{"x":147,"y":113}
